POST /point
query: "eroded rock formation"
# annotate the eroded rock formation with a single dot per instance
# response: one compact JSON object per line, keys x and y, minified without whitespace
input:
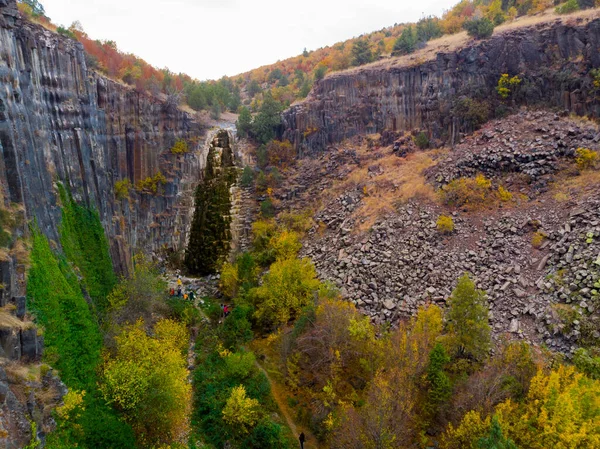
{"x":60,"y":121}
{"x":553,"y":61}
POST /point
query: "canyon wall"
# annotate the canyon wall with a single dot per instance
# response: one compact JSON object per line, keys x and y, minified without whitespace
{"x":553,"y":60}
{"x":60,"y":122}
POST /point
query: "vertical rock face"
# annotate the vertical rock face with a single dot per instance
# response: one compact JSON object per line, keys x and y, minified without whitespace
{"x":60,"y":122}
{"x":554,"y":61}
{"x":215,"y":227}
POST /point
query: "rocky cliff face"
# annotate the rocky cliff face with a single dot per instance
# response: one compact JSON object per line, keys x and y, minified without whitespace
{"x":553,"y":60}
{"x":60,"y":122}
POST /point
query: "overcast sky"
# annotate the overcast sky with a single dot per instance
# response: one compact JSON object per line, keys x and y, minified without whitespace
{"x":210,"y":38}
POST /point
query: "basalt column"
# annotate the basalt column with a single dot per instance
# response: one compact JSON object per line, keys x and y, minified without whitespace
{"x":210,"y":236}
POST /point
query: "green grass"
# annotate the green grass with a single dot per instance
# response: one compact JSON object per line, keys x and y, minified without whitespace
{"x":85,"y":246}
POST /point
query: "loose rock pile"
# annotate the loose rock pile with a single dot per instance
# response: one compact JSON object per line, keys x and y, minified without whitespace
{"x":544,"y":295}
{"x":532,"y":143}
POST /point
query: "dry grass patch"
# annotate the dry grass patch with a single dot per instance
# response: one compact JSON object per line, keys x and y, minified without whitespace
{"x":573,"y":187}
{"x":386,"y":181}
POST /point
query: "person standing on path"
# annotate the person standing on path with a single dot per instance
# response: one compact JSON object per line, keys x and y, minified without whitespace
{"x":302,"y":438}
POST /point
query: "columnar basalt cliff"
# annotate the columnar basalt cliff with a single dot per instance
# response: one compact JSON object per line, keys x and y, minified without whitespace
{"x":552,"y":59}
{"x":60,"y":122}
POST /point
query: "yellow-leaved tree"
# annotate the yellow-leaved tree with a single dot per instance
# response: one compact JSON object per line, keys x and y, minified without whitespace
{"x":240,"y":411}
{"x":562,"y":411}
{"x":146,"y":379}
{"x":287,"y":288}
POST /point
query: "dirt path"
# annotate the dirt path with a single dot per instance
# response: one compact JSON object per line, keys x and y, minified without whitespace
{"x":279,"y":401}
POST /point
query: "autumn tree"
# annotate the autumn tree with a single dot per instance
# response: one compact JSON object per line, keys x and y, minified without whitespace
{"x":289,"y":286}
{"x":241,"y":412}
{"x":146,"y":379}
{"x":469,"y":332}
{"x":281,"y":154}
{"x":361,"y":52}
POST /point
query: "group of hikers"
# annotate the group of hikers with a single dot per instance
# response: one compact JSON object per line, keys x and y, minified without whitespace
{"x":188,"y":295}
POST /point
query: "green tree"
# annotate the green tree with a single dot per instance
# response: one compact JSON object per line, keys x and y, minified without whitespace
{"x":320,"y":72}
{"x":244,"y":121}
{"x":495,"y":439}
{"x":253,"y":88}
{"x":479,"y":28}
{"x":406,"y":43}
{"x":440,"y":388}
{"x":361,"y":52}
{"x":268,"y":119}
{"x":428,"y":28}
{"x":467,"y":320}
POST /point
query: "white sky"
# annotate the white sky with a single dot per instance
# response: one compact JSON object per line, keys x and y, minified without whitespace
{"x":210,"y":38}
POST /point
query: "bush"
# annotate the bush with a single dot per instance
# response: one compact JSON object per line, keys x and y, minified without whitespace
{"x":180,"y":147}
{"x":151,"y":183}
{"x":586,"y":159}
{"x":421,"y":140}
{"x":504,"y":195}
{"x":247,"y":178}
{"x":479,"y":28}
{"x":506,"y":85}
{"x":473,"y":113}
{"x":568,"y":7}
{"x":122,"y":189}
{"x":467,"y":191}
{"x":445,"y":224}
{"x":267,"y":210}
{"x":538,"y":239}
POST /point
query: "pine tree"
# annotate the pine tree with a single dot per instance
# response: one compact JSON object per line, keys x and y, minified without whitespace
{"x":440,"y":388}
{"x":361,"y":52}
{"x":495,"y":439}
{"x":406,"y":43}
{"x":268,"y":119}
{"x":467,"y":320}
{"x":244,"y":122}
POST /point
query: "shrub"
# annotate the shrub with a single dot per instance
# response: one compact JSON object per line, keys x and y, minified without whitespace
{"x":504,"y":195}
{"x":267,"y":210}
{"x":151,"y":183}
{"x":247,"y":178}
{"x":66,"y":32}
{"x":586,"y":159}
{"x":445,"y":224}
{"x":568,"y":7}
{"x":506,"y":84}
{"x":538,"y":239}
{"x":479,"y":28}
{"x":180,"y":147}
{"x":281,"y":154}
{"x":122,"y":189}
{"x":421,"y":140}
{"x":467,"y":191}
{"x":473,"y":112}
